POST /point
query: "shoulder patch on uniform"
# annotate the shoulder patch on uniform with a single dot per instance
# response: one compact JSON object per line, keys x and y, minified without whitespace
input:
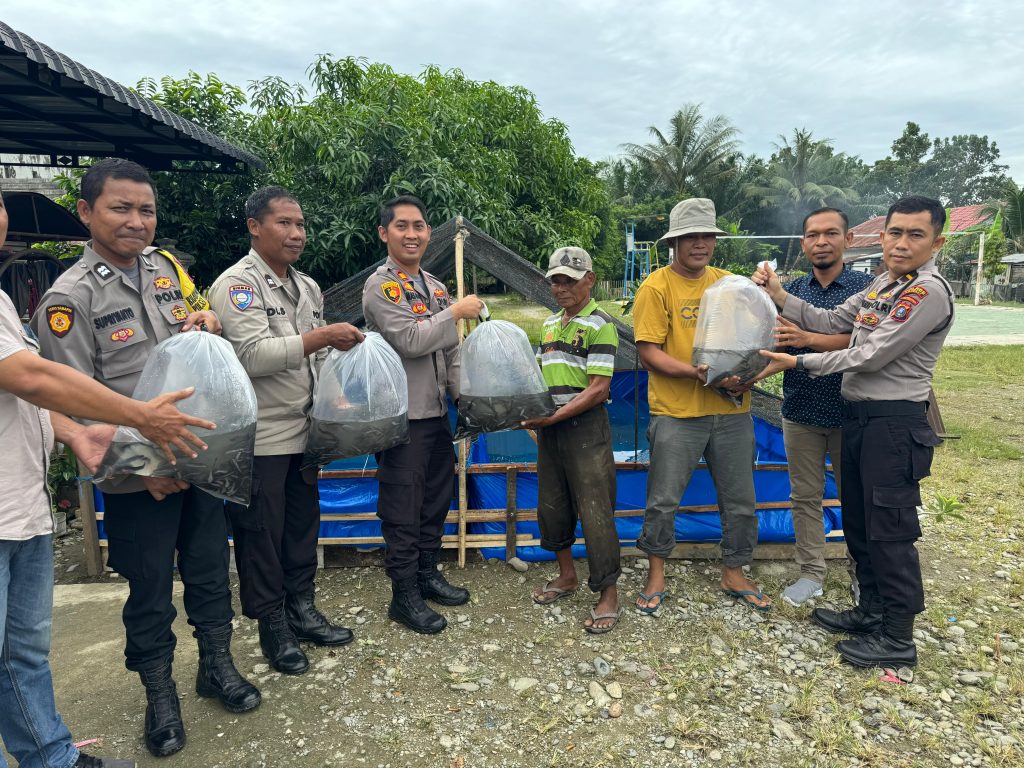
{"x":270,"y":281}
{"x":419,"y":308}
{"x":392,"y":291}
{"x":901,"y":311}
{"x":915,"y":290}
{"x":60,"y":318}
{"x":122,"y":334}
{"x":162,"y":283}
{"x":241,"y":296}
{"x":103,"y":271}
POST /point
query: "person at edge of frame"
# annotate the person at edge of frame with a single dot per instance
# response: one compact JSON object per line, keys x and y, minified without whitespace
{"x":273,"y":316}
{"x":812,"y":407}
{"x":575,"y":463}
{"x":104,"y":316}
{"x":897,"y":326}
{"x":690,"y":419}
{"x":412,"y":310}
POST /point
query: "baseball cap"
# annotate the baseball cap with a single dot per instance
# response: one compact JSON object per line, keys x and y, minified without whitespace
{"x":574,"y":262}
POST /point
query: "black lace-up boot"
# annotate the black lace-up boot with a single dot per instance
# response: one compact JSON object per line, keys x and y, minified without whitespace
{"x":407,"y":607}
{"x":864,"y":619}
{"x":893,"y":646}
{"x":279,"y":645}
{"x":434,"y":586}
{"x":218,"y":678}
{"x":164,"y":731}
{"x":308,"y":623}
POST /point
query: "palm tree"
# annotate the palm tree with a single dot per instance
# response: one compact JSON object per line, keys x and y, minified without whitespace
{"x":1012,"y":208}
{"x":803,"y":174}
{"x":692,"y":157}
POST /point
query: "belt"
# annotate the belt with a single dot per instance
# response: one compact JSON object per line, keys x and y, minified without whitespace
{"x":862,"y":410}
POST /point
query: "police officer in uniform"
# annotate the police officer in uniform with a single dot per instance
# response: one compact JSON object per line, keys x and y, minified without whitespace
{"x":412,"y":311}
{"x":103,"y":316}
{"x":273,"y":316}
{"x":898,"y":324}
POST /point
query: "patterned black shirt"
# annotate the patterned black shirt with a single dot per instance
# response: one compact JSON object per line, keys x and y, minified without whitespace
{"x":816,"y":401}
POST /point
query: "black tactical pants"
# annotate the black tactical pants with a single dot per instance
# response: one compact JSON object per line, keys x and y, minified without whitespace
{"x":275,"y":536}
{"x":143,"y":535}
{"x":887,"y":450}
{"x":416,"y":483}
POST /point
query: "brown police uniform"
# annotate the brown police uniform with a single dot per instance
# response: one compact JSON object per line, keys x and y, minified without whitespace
{"x":94,"y":319}
{"x":264,"y":318}
{"x":416,"y":480}
{"x":897,"y":327}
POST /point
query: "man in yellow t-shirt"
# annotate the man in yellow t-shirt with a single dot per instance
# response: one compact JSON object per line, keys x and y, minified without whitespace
{"x":688,"y":419}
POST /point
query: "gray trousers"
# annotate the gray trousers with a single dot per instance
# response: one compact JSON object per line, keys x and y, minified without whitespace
{"x":576,"y":481}
{"x":727,"y":444}
{"x":806,"y":446}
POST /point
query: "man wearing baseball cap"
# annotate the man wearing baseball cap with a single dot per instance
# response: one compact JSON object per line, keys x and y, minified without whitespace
{"x":689,"y":420}
{"x":575,"y":465}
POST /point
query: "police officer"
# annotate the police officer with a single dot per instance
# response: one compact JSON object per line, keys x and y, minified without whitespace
{"x":273,"y":316}
{"x":898,"y":324}
{"x":103,"y":316}
{"x":412,"y":311}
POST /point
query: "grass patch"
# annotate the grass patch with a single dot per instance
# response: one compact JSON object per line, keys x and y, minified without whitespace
{"x":964,"y":368}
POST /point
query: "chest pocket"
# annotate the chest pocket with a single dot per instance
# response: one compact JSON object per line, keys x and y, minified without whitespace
{"x":174,"y":312}
{"x":121,"y":349}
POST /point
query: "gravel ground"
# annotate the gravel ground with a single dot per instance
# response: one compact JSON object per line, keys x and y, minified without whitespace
{"x":708,"y":682}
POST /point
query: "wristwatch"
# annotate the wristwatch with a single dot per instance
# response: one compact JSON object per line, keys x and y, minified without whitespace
{"x":800,"y":363}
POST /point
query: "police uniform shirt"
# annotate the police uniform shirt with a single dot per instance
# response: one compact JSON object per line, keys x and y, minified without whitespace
{"x":421,"y":329}
{"x":264,"y":318}
{"x":897,"y":329}
{"x":95,"y":320}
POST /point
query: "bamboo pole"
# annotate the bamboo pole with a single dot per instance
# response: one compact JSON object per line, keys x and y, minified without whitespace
{"x":981,"y":264}
{"x":460,"y":282}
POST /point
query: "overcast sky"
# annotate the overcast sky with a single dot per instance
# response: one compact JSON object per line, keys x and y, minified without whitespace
{"x":854,"y":72}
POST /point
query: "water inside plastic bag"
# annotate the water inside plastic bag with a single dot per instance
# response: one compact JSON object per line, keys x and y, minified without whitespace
{"x":736,"y":320}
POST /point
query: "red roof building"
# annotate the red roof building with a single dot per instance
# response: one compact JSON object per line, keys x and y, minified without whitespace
{"x":865,"y":236}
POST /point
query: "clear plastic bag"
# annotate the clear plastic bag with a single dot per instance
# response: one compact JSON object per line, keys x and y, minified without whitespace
{"x":500,"y":383}
{"x":361,"y":403}
{"x":224,"y":395}
{"x":737,"y":319}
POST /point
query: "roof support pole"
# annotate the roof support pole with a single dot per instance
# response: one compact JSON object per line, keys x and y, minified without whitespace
{"x":981,"y":264}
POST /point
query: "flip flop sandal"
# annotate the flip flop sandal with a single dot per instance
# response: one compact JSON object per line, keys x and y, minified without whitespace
{"x":652,"y":610}
{"x":595,"y":616}
{"x":558,"y":592}
{"x":743,"y":594}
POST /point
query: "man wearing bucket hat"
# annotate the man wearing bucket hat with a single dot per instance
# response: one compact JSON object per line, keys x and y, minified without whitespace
{"x":575,"y":465}
{"x":688,"y":419}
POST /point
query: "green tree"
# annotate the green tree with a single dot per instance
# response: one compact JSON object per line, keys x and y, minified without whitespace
{"x":366,"y":134}
{"x":1010,"y":206}
{"x":691,"y":157}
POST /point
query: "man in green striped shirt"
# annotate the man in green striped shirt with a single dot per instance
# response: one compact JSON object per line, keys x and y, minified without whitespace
{"x":575,"y":466}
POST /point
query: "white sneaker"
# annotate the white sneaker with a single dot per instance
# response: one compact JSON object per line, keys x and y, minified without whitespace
{"x":802,"y":590}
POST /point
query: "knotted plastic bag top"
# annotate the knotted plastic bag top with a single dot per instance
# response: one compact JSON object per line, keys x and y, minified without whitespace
{"x":223,"y":394}
{"x":500,"y":383}
{"x":737,"y":318}
{"x":361,"y":403}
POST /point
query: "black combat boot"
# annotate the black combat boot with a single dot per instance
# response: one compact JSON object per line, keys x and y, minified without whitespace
{"x":278,"y":643}
{"x":407,"y":607}
{"x":434,"y":586}
{"x":308,"y":623}
{"x":893,"y":646}
{"x":218,"y":678}
{"x":164,"y":731}
{"x":864,"y":619}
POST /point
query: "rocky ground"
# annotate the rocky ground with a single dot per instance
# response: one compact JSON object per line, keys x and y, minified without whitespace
{"x":708,"y":682}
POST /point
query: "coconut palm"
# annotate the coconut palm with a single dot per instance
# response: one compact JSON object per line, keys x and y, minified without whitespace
{"x":694,"y":154}
{"x":1012,"y":209}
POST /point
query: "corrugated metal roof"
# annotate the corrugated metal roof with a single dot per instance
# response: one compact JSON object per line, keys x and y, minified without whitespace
{"x":52,"y":105}
{"x":865,"y":235}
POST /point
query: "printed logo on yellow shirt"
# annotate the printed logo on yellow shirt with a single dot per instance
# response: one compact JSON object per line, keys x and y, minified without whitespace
{"x":689,"y":313}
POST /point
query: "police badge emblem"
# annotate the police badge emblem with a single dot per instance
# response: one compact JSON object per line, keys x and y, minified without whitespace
{"x":392,"y":291}
{"x":241,"y":296}
{"x":61,"y":319}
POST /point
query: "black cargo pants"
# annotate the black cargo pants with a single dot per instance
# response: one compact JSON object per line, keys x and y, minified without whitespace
{"x":887,"y":450}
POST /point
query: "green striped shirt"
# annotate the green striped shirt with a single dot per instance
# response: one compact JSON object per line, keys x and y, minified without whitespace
{"x":577,"y":350}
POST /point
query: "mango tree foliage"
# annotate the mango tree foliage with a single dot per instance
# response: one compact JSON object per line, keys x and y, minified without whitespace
{"x":367,"y":133}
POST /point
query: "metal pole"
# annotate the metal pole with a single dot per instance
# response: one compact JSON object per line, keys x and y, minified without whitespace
{"x":981,"y":263}
{"x":460,"y":290}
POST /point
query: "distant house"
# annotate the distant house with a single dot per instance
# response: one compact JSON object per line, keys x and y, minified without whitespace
{"x":865,"y":253}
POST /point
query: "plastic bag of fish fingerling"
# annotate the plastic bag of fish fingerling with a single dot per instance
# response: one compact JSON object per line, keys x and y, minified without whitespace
{"x":736,"y":320}
{"x":500,"y":383}
{"x":223,"y":394}
{"x":361,"y":403}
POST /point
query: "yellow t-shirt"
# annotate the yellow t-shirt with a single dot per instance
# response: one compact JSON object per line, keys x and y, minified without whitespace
{"x":665,"y":312}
